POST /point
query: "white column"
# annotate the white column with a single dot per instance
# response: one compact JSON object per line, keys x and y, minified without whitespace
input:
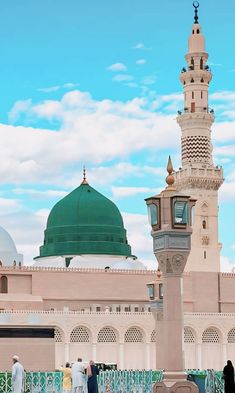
{"x":121,"y":356}
{"x":94,"y":351}
{"x":147,"y":356}
{"x":66,"y":352}
{"x":199,"y":356}
{"x":224,"y":355}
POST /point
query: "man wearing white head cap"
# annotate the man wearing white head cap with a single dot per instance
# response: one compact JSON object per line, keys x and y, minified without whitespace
{"x":17,"y":375}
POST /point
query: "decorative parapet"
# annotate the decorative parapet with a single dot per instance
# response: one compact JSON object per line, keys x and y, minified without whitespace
{"x":69,"y":312}
{"x":194,"y":177}
{"x":74,"y":269}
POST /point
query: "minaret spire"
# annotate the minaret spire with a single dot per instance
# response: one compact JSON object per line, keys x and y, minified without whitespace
{"x":196,"y":5}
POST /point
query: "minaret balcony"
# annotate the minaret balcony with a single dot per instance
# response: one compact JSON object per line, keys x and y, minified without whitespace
{"x":199,"y":175}
{"x":197,"y":75}
{"x":198,"y":109}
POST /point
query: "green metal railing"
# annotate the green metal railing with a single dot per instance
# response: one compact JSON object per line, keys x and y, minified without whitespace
{"x":121,"y":381}
{"x":35,"y":382}
{"x":128,"y":381}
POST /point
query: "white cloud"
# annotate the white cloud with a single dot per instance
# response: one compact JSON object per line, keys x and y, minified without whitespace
{"x":122,"y":192}
{"x":132,"y":85}
{"x":40,"y":193}
{"x":70,"y":85}
{"x":148,"y":80}
{"x":141,"y":46}
{"x":141,"y":61}
{"x":18,"y":108}
{"x":49,"y":89}
{"x":139,"y":237}
{"x":227,"y":191}
{"x":8,"y":205}
{"x":89,"y":129}
{"x":116,"y":67}
{"x":123,"y":78}
{"x":226,"y":265}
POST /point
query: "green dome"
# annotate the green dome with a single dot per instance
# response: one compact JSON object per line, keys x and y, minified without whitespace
{"x":85,"y":222}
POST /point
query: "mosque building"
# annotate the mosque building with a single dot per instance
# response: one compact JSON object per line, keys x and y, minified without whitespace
{"x":86,"y":294}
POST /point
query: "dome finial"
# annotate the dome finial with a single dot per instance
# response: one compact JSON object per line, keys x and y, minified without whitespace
{"x":170,"y":178}
{"x":196,"y":5}
{"x":84,"y":176}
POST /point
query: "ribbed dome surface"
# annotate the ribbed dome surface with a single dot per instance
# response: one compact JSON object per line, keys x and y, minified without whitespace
{"x":85,"y":222}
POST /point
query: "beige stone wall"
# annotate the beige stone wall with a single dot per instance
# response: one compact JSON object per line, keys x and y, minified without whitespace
{"x":36,"y":354}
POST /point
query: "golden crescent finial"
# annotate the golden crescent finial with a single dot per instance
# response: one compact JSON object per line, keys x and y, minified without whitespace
{"x":84,"y":176}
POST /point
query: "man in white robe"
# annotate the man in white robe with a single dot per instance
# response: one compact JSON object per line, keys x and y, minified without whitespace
{"x":17,"y":375}
{"x":77,"y":376}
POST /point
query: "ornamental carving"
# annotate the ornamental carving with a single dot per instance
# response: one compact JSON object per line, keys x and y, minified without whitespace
{"x":205,"y":240}
{"x":177,"y":262}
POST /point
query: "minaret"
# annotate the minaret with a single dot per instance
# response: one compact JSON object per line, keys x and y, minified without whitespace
{"x":198,"y":176}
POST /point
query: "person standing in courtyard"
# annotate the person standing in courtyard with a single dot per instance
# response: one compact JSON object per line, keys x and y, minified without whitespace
{"x":67,"y":378}
{"x":17,"y":376}
{"x":77,"y":376}
{"x":228,"y":376}
{"x":92,"y":372}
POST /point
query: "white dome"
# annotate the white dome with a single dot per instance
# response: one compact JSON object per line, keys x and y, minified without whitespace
{"x":8,"y":251}
{"x":6,"y":242}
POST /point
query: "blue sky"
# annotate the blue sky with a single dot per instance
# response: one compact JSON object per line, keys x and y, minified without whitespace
{"x":97,"y":83}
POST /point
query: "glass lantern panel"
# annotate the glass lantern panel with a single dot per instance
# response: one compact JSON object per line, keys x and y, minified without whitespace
{"x":192,"y":215}
{"x":153,"y":214}
{"x":180,"y":212}
{"x":150,"y":291}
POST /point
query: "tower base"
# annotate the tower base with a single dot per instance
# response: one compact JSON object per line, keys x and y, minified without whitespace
{"x":175,"y":382}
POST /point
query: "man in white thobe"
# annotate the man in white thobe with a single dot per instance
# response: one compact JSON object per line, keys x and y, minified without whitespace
{"x":17,"y":375}
{"x":77,"y":376}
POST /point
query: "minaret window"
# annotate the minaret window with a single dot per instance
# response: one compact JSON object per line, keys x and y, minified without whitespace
{"x":192,"y":94}
{"x":202,"y":80}
{"x":192,"y":64}
{"x":198,"y":31}
{"x":201,"y":94}
{"x":192,"y":80}
{"x":204,"y":224}
{"x":4,"y":284}
{"x":201,"y":63}
{"x":204,"y":254}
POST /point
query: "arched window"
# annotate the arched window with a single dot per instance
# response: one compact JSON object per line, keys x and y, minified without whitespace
{"x":231,"y":336}
{"x":107,"y":335}
{"x":192,"y":80}
{"x":201,"y":63}
{"x":189,"y":336}
{"x":4,"y":284}
{"x":204,"y":224}
{"x":134,"y":335}
{"x":58,"y":336}
{"x":153,"y":336}
{"x":210,"y":335}
{"x":80,"y":334}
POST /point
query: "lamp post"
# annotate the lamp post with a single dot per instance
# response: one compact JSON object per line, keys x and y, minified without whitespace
{"x":170,"y":216}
